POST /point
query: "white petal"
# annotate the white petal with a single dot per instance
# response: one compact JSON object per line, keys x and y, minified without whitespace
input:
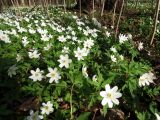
{"x":158,"y":117}
{"x":31,"y":112}
{"x":110,"y":104}
{"x":115,"y":101}
{"x":32,"y":71}
{"x":117,"y":95}
{"x":147,"y":82}
{"x":48,"y":75}
{"x":107,"y":87}
{"x":103,"y":93}
{"x":37,"y":70}
{"x":104,"y":101}
{"x":50,"y":69}
{"x":51,"y":80}
{"x":114,"y":89}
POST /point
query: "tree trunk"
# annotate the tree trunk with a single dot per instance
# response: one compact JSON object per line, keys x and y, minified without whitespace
{"x":109,"y":4}
{"x":1,"y":6}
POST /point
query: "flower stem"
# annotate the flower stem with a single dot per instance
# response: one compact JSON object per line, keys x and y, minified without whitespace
{"x":71,"y":102}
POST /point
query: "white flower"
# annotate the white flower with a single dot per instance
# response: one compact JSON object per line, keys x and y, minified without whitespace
{"x":79,"y":28}
{"x":50,"y":36}
{"x":37,"y":75}
{"x":60,"y":100}
{"x":12,"y":70}
{"x":110,"y":96}
{"x":74,"y":38}
{"x":80,"y":53}
{"x":65,"y":50}
{"x":113,"y":58}
{"x":73,"y":33}
{"x":140,"y":45}
{"x":19,"y":57}
{"x":112,"y":27}
{"x":29,"y":25}
{"x":68,"y":37}
{"x":24,"y":41}
{"x":42,"y":32}
{"x":113,"y":49}
{"x":34,"y":54}
{"x":44,"y":37}
{"x":84,"y":71}
{"x":4,"y":37}
{"x":31,"y":31}
{"x":146,"y":79}
{"x":88,"y":43}
{"x":74,"y":17}
{"x":13,"y":32}
{"x":80,"y":23}
{"x":21,"y":30}
{"x":94,"y":78}
{"x":121,"y":57}
{"x":122,"y":38}
{"x":108,"y":34}
{"x":47,"y":108}
{"x":54,"y":75}
{"x":58,"y":30}
{"x":94,"y":34}
{"x":64,"y":61}
{"x":95,"y":21}
{"x":26,"y":19}
{"x":129,"y":36}
{"x":48,"y":47}
{"x":85,"y":51}
{"x":69,"y":28}
{"x":43,"y":24}
{"x":157,"y":116}
{"x":85,"y":32}
{"x":34,"y":116}
{"x":62,"y":38}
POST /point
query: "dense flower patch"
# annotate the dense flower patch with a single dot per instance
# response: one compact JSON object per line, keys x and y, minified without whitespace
{"x":64,"y":60}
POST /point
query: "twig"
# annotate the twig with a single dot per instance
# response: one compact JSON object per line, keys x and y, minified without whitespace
{"x":155,"y":22}
{"x":114,"y":12}
{"x":103,"y":4}
{"x":120,"y":14}
{"x":94,"y":114}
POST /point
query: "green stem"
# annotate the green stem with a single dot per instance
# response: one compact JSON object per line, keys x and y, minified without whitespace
{"x":71,"y":102}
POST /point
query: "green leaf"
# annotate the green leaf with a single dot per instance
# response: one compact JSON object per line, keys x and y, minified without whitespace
{"x":84,"y":116}
{"x":67,"y":97}
{"x":105,"y":108}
